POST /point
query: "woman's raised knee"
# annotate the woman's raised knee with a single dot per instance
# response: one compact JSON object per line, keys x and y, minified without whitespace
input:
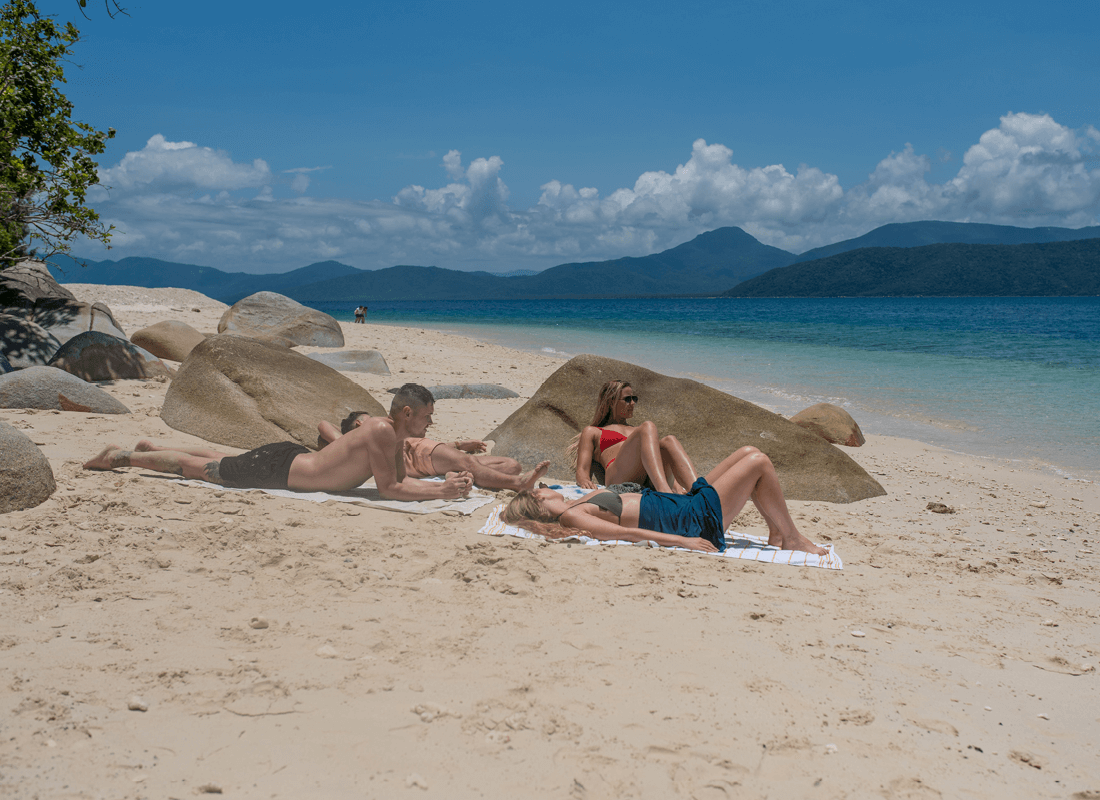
{"x":758,"y":458}
{"x":647,"y":428}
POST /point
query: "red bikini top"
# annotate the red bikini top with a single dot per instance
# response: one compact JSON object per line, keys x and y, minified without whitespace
{"x":610,"y":438}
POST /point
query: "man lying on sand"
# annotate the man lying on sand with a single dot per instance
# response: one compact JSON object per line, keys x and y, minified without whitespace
{"x":427,"y":457}
{"x":372,"y":449}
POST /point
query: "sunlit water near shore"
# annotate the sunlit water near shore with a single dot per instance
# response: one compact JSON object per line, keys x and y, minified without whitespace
{"x":1011,"y":378}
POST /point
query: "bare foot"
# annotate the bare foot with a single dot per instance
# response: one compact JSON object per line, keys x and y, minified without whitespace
{"x":528,"y":480}
{"x":796,"y":542}
{"x":105,"y":460}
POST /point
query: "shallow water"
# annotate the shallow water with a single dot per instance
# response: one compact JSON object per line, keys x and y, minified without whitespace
{"x":1013,"y":378}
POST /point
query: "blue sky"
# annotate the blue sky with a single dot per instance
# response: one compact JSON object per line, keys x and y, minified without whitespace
{"x":262,"y":137}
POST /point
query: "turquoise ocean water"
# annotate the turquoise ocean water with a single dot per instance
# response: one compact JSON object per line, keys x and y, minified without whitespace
{"x":1010,"y":378}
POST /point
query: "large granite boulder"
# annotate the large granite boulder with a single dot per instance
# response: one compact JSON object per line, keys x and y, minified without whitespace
{"x":170,"y":339}
{"x":272,"y":314}
{"x":96,"y":356}
{"x":831,"y":423}
{"x":27,"y":283}
{"x":472,"y":391}
{"x":370,"y":361}
{"x":245,"y":393}
{"x":52,"y":388}
{"x":68,"y":318}
{"x":26,"y":479}
{"x":25,"y":343}
{"x":709,"y":423}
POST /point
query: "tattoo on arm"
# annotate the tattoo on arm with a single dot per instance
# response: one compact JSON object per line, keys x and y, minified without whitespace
{"x":212,"y":471}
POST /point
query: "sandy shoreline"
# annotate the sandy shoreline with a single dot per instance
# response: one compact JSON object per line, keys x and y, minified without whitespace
{"x":410,"y":655}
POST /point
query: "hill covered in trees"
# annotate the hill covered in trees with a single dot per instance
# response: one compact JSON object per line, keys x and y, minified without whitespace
{"x":919,"y":234}
{"x":939,"y":270}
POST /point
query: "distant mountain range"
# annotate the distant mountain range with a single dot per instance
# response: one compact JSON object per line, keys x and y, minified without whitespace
{"x":705,"y":266}
{"x":918,"y":234}
{"x":939,"y":270}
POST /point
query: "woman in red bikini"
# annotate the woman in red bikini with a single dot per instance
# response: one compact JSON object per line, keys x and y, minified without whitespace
{"x":626,"y":452}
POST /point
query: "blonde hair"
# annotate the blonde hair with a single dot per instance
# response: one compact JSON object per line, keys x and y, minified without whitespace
{"x":527,"y":511}
{"x":605,"y":403}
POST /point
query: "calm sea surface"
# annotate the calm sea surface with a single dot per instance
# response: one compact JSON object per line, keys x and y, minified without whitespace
{"x":1015,"y":378}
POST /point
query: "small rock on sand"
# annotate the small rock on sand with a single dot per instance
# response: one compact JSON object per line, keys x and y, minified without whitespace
{"x":135,"y":703}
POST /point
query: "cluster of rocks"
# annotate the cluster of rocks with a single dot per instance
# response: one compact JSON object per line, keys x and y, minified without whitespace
{"x":243,"y":387}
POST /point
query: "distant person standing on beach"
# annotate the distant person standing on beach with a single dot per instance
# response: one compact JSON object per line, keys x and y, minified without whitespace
{"x":358,"y":314}
{"x":364,"y":319}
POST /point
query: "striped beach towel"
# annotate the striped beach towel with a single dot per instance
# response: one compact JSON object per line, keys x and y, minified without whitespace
{"x":738,"y":545}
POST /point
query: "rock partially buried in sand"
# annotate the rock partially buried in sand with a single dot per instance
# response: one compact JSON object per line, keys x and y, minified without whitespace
{"x":24,"y":343}
{"x":26,"y":479}
{"x":245,"y":393}
{"x":170,"y":339}
{"x":95,"y":356}
{"x":939,"y":508}
{"x":831,"y":423}
{"x":53,"y":388}
{"x":709,"y":423}
{"x":370,"y":361}
{"x":273,"y":314}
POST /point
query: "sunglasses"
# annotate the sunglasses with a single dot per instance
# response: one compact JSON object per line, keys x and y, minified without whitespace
{"x":633,"y":398}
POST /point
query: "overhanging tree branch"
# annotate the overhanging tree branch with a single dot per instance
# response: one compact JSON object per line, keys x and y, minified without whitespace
{"x":46,"y":158}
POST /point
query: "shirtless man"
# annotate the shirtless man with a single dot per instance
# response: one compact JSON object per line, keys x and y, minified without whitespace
{"x":373,"y":449}
{"x":427,"y":457}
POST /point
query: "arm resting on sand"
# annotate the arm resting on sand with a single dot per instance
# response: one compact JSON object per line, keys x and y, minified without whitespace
{"x":454,"y":486}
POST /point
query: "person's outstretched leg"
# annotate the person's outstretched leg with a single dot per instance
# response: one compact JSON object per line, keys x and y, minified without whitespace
{"x":447,"y":459}
{"x":749,"y":474}
{"x":640,"y":450}
{"x":145,"y":446}
{"x":679,"y":470}
{"x":508,"y":466}
{"x":174,"y":462}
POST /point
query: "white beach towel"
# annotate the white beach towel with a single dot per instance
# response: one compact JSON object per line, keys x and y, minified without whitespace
{"x":365,"y":495}
{"x":738,"y":545}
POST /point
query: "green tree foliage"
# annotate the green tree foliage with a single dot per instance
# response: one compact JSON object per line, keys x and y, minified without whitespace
{"x":46,"y":158}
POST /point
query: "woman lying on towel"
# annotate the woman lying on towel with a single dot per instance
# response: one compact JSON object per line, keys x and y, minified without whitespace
{"x":697,"y":520}
{"x":625,"y":452}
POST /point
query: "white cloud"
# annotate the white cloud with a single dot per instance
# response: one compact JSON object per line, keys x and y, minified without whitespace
{"x":173,"y":200}
{"x":174,"y":166}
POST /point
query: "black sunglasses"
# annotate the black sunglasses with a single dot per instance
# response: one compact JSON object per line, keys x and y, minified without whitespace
{"x":633,"y":398}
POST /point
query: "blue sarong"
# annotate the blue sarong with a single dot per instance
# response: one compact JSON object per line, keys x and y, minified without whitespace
{"x":698,"y":514}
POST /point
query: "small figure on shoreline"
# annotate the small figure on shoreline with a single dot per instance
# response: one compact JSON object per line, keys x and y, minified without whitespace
{"x":372,"y":449}
{"x":697,"y":520}
{"x":361,"y":315}
{"x":626,"y":452}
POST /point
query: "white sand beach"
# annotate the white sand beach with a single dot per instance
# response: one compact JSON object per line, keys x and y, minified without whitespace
{"x":167,"y":641}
